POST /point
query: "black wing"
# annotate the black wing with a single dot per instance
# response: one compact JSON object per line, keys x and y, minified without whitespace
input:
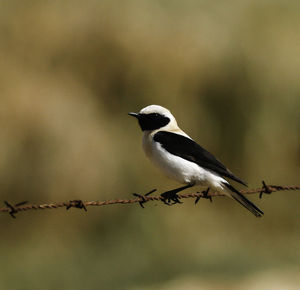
{"x":188,"y":149}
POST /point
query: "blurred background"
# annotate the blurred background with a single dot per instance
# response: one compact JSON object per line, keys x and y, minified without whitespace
{"x":70,"y":71}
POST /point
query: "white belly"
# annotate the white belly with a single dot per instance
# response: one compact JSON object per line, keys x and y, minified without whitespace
{"x":178,"y":168}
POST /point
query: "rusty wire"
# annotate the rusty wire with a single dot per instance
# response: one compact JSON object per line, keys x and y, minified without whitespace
{"x":141,"y":199}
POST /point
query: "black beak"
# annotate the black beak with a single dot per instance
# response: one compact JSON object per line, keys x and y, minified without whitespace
{"x":134,"y":115}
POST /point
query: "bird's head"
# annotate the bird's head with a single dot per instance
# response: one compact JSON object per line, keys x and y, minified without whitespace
{"x":154,"y":117}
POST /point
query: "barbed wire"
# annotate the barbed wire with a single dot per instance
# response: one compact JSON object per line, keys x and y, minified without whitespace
{"x":141,"y":199}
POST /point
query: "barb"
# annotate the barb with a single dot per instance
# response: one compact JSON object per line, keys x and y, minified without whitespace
{"x":141,"y":199}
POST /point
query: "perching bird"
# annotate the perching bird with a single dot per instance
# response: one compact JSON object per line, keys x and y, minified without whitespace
{"x":182,"y":159}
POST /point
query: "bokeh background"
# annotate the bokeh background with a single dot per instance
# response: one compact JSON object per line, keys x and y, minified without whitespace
{"x":70,"y":71}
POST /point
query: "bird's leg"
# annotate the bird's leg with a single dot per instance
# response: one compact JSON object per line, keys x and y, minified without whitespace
{"x":171,"y":195}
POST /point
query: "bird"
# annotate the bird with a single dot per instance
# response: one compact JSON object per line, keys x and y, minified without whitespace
{"x":180,"y":158}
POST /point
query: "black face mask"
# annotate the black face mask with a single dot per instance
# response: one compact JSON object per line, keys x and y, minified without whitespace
{"x":152,"y":121}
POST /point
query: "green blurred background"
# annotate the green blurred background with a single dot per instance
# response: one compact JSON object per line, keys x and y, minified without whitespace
{"x":70,"y":71}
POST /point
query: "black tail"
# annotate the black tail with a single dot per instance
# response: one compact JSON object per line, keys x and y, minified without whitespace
{"x":235,"y":194}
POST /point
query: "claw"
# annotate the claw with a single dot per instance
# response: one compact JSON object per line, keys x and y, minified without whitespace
{"x":169,"y":196}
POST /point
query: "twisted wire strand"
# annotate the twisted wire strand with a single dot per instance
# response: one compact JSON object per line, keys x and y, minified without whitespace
{"x":141,"y":199}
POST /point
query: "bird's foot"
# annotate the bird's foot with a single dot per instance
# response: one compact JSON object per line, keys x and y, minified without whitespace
{"x":204,"y":195}
{"x":143,"y":197}
{"x":169,"y":196}
{"x":76,"y":203}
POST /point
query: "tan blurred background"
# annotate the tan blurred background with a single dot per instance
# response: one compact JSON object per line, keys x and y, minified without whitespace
{"x":70,"y":71}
